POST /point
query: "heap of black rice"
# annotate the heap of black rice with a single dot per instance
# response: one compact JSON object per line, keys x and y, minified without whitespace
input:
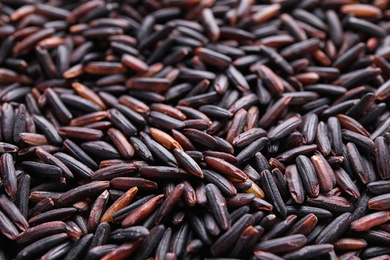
{"x":193,"y":129}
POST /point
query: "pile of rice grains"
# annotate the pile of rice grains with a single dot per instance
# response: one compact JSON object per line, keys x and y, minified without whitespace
{"x":195,"y":129}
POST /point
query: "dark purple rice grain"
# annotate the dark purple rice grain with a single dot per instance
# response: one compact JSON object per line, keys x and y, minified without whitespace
{"x":270,"y":80}
{"x":372,"y":252}
{"x":7,"y":227}
{"x":72,"y":148}
{"x":226,"y":168}
{"x":159,"y":151}
{"x":120,"y":121}
{"x":198,"y":100}
{"x":378,"y":237}
{"x":357,"y":162}
{"x":99,"y":251}
{"x":8,"y":174}
{"x":163,"y":172}
{"x":274,"y":112}
{"x":249,"y":151}
{"x":379,"y":187}
{"x":302,"y":211}
{"x":360,"y":108}
{"x":308,"y":175}
{"x":308,"y":252}
{"x":300,"y":48}
{"x":15,"y":63}
{"x":244,"y":186}
{"x":237,"y":125}
{"x":218,"y":206}
{"x":359,"y":140}
{"x":44,"y":201}
{"x":272,"y":193}
{"x":22,"y":196}
{"x":19,"y":122}
{"x":121,"y":143}
{"x":163,"y":246}
{"x":251,"y":172}
{"x":362,"y":76}
{"x":279,"y":228}
{"x":79,"y":249}
{"x":284,"y":128}
{"x":304,"y":226}
{"x":169,"y":203}
{"x":128,"y":234}
{"x":133,"y":116}
{"x":141,"y":149}
{"x":238,"y":213}
{"x":295,"y":184}
{"x":379,"y":202}
{"x":41,"y":246}
{"x":144,"y":211}
{"x":42,"y":169}
{"x":47,"y":129}
{"x":113,"y":171}
{"x":179,"y":240}
{"x":221,"y":155}
{"x":83,"y":191}
{"x":361,"y":205}
{"x":58,"y":251}
{"x":338,"y":225}
{"x":230,"y":236}
{"x":261,"y":205}
{"x":151,"y":242}
{"x":52,"y":215}
{"x":345,"y":183}
{"x":7,"y":122}
{"x":339,"y":108}
{"x":101,"y":149}
{"x":125,"y":183}
{"x":280,"y":182}
{"x":77,"y":102}
{"x":381,"y":129}
{"x":258,"y":254}
{"x":244,"y":102}
{"x":280,"y":245}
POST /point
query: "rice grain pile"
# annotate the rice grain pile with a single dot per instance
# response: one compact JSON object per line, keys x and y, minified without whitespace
{"x":195,"y":129}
